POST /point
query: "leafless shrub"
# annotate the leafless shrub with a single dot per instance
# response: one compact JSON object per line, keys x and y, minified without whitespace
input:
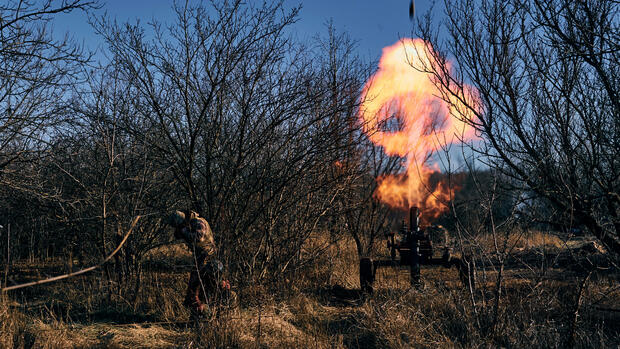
{"x":546,"y":104}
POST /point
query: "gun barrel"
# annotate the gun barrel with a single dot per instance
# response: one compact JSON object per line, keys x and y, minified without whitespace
{"x":413,"y":218}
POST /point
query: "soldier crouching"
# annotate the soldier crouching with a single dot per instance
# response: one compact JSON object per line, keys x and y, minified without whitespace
{"x":207,"y":272}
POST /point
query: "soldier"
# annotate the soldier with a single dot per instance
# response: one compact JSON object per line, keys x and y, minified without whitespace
{"x":197,"y":234}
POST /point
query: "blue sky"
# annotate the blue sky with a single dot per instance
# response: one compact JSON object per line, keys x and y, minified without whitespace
{"x":373,"y":24}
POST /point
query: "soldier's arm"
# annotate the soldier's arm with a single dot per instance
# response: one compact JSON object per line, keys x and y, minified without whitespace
{"x":187,"y":234}
{"x":204,"y":234}
{"x":196,"y":231}
{"x":198,"y":228}
{"x":178,"y":233}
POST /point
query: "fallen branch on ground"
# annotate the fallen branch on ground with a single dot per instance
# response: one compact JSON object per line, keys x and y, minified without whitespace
{"x":79,"y":272}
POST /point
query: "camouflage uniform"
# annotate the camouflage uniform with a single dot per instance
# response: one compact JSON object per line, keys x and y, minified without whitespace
{"x":198,"y":235}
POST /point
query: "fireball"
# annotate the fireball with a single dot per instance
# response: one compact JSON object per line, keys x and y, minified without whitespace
{"x":403,"y":111}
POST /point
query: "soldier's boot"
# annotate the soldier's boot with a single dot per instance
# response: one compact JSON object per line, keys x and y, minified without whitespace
{"x":192,"y":298}
{"x":193,"y":288}
{"x":196,"y":308}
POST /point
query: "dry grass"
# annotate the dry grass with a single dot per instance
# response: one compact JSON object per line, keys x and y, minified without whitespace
{"x":12,"y":325}
{"x":320,"y":310}
{"x":62,"y":335}
{"x":521,"y":241}
{"x":536,"y":239}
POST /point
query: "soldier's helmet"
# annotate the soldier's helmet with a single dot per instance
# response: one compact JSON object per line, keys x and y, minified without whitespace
{"x":176,"y":218}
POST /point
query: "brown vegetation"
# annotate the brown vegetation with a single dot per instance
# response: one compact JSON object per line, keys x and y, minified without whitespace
{"x":322,"y":308}
{"x":226,"y":113}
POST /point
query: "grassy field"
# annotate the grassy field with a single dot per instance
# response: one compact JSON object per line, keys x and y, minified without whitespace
{"x":324,"y":308}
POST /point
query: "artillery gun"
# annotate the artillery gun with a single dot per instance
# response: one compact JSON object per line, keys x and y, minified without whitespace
{"x":413,"y":247}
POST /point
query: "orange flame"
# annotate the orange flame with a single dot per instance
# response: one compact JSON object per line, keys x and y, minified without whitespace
{"x":402,"y":111}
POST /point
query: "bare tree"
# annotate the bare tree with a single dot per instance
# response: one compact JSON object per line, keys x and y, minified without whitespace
{"x":354,"y":211}
{"x":248,"y":120}
{"x":365,"y":218}
{"x":546,"y":102}
{"x":116,"y":176}
{"x":36,"y":72}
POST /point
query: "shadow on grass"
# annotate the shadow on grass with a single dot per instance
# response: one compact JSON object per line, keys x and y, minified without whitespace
{"x":115,"y":316}
{"x":338,"y":296}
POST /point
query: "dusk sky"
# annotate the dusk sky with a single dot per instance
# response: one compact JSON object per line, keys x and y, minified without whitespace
{"x":373,"y":24}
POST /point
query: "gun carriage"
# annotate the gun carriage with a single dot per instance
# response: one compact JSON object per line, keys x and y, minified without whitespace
{"x":413,"y":247}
